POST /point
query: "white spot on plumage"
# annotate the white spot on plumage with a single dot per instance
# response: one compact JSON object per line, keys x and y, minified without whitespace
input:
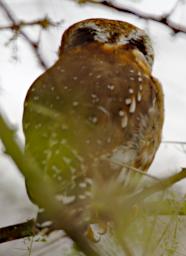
{"x":131,"y":91}
{"x":94,"y":119}
{"x":139,"y":96}
{"x":124,"y":121}
{"x":88,"y":194}
{"x":75,"y":153}
{"x":82,"y":184}
{"x":123,"y":154}
{"x":75,"y":104}
{"x":104,"y":110}
{"x":98,"y":76}
{"x":110,"y":87}
{"x":94,"y":98}
{"x":36,"y":98}
{"x":132,"y":105}
{"x":139,"y":73}
{"x":65,"y":199}
{"x":140,"y":79}
{"x":89,"y":181}
{"x":33,"y":89}
{"x":67,"y":160}
{"x":128,"y":101}
{"x":121,"y":113}
{"x":55,"y":169}
{"x":82,"y":197}
{"x":61,"y":69}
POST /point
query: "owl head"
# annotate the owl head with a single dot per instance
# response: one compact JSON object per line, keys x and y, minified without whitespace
{"x":112,"y":32}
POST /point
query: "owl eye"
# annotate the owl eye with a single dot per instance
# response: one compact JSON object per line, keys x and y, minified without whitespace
{"x":82,"y":36}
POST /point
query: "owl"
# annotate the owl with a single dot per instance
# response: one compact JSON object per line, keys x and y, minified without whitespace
{"x":97,"y":112}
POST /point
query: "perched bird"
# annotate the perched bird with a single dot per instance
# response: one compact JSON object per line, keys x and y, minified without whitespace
{"x":96,"y":109}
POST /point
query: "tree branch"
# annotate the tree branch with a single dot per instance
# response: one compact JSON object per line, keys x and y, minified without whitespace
{"x":63,"y":220}
{"x":156,"y":187}
{"x":18,"y":231}
{"x":174,"y":142}
{"x":163,"y":19}
{"x":29,"y":228}
{"x":44,"y":23}
{"x":57,"y":213}
{"x":17,"y":26}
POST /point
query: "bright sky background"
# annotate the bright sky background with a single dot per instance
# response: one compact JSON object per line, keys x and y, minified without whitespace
{"x":17,"y":76}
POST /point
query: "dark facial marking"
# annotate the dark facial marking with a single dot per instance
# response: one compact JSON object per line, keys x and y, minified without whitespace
{"x":139,"y":44}
{"x":82,"y":36}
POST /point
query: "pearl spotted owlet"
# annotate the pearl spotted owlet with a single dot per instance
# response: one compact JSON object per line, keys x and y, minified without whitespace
{"x":98,"y":107}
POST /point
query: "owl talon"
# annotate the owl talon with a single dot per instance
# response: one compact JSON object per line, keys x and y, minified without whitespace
{"x":92,"y":234}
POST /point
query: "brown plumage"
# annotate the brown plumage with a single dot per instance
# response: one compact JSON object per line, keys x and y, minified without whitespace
{"x":98,"y":103}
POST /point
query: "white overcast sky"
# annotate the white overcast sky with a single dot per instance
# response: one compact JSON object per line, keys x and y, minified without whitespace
{"x":17,"y":76}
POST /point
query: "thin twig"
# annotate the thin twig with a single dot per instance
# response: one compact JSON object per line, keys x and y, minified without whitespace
{"x":16,"y":27}
{"x":46,"y":194}
{"x":126,"y":248}
{"x":165,"y":207}
{"x":160,"y":239}
{"x":143,"y":173}
{"x":18,"y":231}
{"x":29,"y":228}
{"x":156,"y":187}
{"x":174,"y":142}
{"x":27,"y":166}
{"x":44,"y":23}
{"x":163,"y":19}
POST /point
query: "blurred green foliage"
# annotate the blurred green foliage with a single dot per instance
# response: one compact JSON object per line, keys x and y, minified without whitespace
{"x":148,"y":227}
